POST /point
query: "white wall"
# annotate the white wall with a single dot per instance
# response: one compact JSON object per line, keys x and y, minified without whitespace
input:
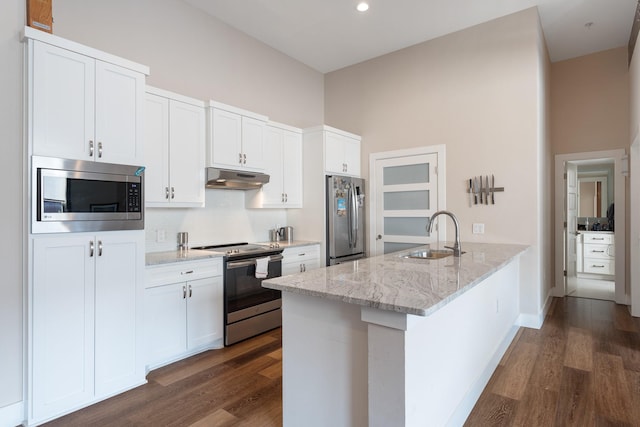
{"x":481,"y":92}
{"x":12,"y":19}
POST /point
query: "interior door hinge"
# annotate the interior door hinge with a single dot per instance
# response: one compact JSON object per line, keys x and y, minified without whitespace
{"x":565,"y":175}
{"x":564,"y":273}
{"x":565,"y":224}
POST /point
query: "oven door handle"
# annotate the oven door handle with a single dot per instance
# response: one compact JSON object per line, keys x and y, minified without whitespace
{"x":246,"y":263}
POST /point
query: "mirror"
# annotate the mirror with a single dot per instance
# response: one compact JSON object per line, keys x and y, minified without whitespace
{"x":592,"y":193}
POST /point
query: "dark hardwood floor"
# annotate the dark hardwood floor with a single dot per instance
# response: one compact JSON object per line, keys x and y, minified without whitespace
{"x":235,"y":386}
{"x":582,"y":368}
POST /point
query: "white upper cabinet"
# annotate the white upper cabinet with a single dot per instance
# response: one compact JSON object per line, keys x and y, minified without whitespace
{"x":342,"y":153}
{"x":235,"y":138}
{"x":83,"y":104}
{"x":175,"y":133}
{"x":283,"y":164}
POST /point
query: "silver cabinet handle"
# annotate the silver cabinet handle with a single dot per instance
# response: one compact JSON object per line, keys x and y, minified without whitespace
{"x":597,"y":238}
{"x":300,"y":268}
{"x":91,"y":245}
{"x":282,"y":197}
{"x":99,"y":247}
{"x":598,"y":252}
{"x":166,"y":193}
{"x":190,"y":291}
{"x":304,"y":267}
{"x":99,"y":150}
{"x":90,"y":148}
{"x":187,"y":272}
{"x":597,"y":266}
{"x":240,"y":158}
{"x":286,"y":197}
{"x":173,"y":193}
{"x":244,"y":159}
{"x":184,"y":291}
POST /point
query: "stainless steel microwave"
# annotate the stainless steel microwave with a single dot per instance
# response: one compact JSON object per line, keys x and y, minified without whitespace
{"x":77,"y":196}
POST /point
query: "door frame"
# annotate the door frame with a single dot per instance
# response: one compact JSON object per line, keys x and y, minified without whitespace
{"x":618,"y":156}
{"x":439,"y":150}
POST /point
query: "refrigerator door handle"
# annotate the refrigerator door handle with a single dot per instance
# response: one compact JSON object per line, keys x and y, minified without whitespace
{"x":356,"y":220}
{"x":353,"y":218}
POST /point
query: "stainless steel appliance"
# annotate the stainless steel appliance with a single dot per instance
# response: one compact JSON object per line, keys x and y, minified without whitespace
{"x":249,"y":309}
{"x":227,"y":179}
{"x":345,"y":219}
{"x":76,"y":195}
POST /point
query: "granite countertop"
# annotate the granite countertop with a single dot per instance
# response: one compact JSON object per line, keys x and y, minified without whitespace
{"x":405,"y":285}
{"x":166,"y":257}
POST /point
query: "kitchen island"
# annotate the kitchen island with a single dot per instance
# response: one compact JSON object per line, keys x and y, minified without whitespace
{"x":391,"y":340}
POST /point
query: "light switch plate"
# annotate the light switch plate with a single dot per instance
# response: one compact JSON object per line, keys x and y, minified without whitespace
{"x":160,"y":236}
{"x":478,"y":228}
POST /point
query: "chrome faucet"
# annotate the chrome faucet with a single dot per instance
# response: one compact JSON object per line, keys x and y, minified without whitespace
{"x":457,"y":250}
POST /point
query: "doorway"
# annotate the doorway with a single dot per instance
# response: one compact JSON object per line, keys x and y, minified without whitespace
{"x":407,"y":187}
{"x":590,"y":226}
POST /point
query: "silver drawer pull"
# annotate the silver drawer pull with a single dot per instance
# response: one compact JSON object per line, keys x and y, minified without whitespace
{"x":598,"y":252}
{"x":597,"y":266}
{"x":190,"y":291}
{"x":301,"y":254}
{"x":597,"y":238}
{"x":187,"y":272}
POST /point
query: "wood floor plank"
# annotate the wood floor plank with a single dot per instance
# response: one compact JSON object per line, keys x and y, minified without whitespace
{"x":579,"y":352}
{"x":537,"y":408}
{"x":492,"y":410}
{"x":276,"y":354}
{"x":514,"y":344}
{"x":611,"y":390}
{"x":622,"y":320}
{"x":628,"y":347}
{"x":274,"y":371}
{"x":219,"y":418}
{"x":575,"y":399}
{"x":547,"y":371}
{"x":517,"y":371}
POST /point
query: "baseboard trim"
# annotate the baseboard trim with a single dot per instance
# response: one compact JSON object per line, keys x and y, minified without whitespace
{"x":468,"y":402}
{"x":535,"y":321}
{"x":12,"y":415}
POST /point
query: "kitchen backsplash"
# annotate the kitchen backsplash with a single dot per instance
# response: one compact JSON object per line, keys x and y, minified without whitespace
{"x":223,"y":220}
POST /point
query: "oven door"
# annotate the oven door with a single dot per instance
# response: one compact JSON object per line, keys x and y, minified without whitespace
{"x":244,"y":295}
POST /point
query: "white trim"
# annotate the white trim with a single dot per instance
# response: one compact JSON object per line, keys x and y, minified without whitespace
{"x":175,"y":96}
{"x":12,"y":415}
{"x":440,"y":151}
{"x":334,"y":130}
{"x":634,"y":232}
{"x":535,"y":321}
{"x":236,"y":110}
{"x":558,"y":289}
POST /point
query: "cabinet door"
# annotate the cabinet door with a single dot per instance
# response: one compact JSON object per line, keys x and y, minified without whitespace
{"x":156,"y":152}
{"x":165,"y":322}
{"x":291,"y":268}
{"x":253,"y":143}
{"x":118,"y":317}
{"x":292,"y":169}
{"x":119,"y":109}
{"x":272,"y":192}
{"x":204,"y":312}
{"x":334,"y":153}
{"x":63,"y":322}
{"x":226,"y":139}
{"x":62,"y":102}
{"x":352,"y":156}
{"x":186,"y":152}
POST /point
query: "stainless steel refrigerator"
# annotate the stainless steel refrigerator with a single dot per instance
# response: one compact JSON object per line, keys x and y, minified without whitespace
{"x":345,"y":219}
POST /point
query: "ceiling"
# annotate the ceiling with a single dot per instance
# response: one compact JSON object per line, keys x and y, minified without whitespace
{"x":330,"y":34}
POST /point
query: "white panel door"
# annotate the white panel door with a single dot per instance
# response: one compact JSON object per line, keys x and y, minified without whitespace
{"x":119,"y":110}
{"x":156,"y":152}
{"x":63,"y":324}
{"x":186,"y":148}
{"x":226,"y":135}
{"x":119,"y":262}
{"x":406,"y":195}
{"x":292,"y":168}
{"x":253,"y":143}
{"x":204,"y":311}
{"x":165,"y":322}
{"x":272,"y":192}
{"x":571,"y":220}
{"x":63,"y":102}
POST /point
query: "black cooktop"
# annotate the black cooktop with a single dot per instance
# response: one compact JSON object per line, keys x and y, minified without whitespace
{"x":242,"y":250}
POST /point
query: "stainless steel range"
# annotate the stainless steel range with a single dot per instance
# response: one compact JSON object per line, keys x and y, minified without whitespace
{"x":249,"y":309}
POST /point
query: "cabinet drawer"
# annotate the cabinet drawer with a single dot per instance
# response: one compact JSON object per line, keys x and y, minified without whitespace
{"x":599,"y":266}
{"x":599,"y":238}
{"x":158,"y":275}
{"x":301,"y":253}
{"x":599,"y":251}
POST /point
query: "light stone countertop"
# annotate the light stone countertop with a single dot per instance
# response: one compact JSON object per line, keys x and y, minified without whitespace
{"x":166,"y":257}
{"x":405,"y":285}
{"x":293,"y":244}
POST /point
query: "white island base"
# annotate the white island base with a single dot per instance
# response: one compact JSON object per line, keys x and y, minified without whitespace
{"x":350,"y":365}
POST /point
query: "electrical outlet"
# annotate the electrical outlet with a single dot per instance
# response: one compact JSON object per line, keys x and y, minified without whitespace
{"x":478,"y":228}
{"x":160,"y":235}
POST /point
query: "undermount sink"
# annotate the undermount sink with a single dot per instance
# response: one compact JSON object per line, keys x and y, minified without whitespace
{"x":429,"y":254}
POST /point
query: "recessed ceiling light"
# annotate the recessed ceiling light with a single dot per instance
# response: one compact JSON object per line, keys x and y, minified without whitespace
{"x":363,"y":6}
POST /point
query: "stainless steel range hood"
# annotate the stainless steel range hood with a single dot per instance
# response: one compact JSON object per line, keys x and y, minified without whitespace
{"x":226,"y":179}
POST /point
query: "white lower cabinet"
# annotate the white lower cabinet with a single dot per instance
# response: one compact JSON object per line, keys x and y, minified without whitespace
{"x":598,"y":254}
{"x":299,"y":259}
{"x":183,"y":310}
{"x":85,"y":320}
